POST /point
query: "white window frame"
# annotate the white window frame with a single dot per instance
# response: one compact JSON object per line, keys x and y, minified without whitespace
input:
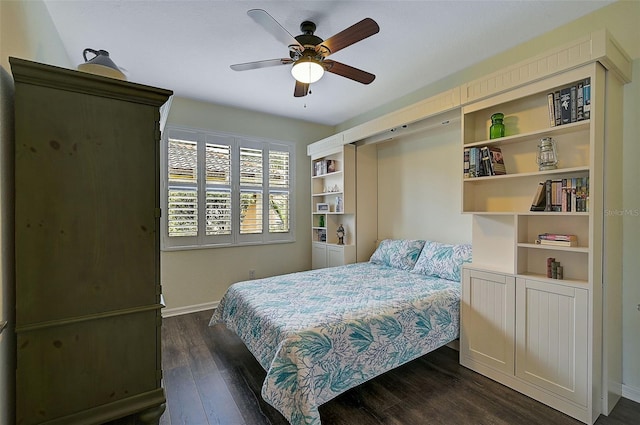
{"x":202,"y":137}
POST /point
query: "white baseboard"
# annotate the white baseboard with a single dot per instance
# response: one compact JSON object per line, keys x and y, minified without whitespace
{"x":177,"y":311}
{"x":631,"y":393}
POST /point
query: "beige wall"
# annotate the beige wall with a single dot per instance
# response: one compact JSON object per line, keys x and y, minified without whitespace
{"x":202,"y":276}
{"x":26,"y":31}
{"x":419,"y":182}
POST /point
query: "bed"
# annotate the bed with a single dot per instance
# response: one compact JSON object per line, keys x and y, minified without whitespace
{"x":319,"y":333}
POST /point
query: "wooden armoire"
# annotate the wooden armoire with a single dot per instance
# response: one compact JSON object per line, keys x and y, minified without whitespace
{"x":88,"y":293}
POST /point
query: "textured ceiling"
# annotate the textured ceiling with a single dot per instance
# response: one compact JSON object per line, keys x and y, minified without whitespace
{"x":187,"y":45}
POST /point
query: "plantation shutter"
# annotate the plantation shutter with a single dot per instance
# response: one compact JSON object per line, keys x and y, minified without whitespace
{"x":182,"y":205}
{"x":221,"y":190}
{"x":218,"y":198}
{"x":251,"y":188}
{"x":279,"y":191}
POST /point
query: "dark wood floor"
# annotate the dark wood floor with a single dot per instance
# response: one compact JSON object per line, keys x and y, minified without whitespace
{"x":211,"y":378}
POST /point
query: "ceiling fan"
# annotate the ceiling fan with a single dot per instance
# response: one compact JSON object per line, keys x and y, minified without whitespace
{"x":308,"y":53}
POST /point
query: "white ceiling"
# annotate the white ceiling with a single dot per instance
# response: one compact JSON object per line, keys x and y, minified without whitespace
{"x":187,"y":45}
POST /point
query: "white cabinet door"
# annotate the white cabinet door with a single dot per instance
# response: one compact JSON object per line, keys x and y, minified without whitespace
{"x":318,"y":255}
{"x":487,"y":320}
{"x":551,"y":337}
{"x":335,"y":256}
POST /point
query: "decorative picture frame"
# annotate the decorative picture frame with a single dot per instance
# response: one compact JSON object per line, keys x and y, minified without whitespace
{"x":322,"y":207}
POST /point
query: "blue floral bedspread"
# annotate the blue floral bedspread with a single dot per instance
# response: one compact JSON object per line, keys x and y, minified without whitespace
{"x":320,"y":332}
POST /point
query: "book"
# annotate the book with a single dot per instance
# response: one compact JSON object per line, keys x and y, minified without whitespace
{"x":582,"y":194}
{"x":557,"y":107}
{"x":573,"y":91}
{"x":556,"y":195}
{"x":550,"y":262}
{"x":497,"y":161}
{"x":567,"y":194}
{"x":557,"y":237}
{"x":580,"y":102}
{"x":465,"y":167}
{"x":538,"y":203}
{"x":552,"y":113}
{"x":548,"y":206}
{"x":586,"y":93}
{"x":565,"y":105}
{"x":487,"y":169}
{"x":563,"y":196}
{"x":473,"y":165}
{"x":477,"y":163}
{"x":556,"y":243}
{"x":574,"y":182}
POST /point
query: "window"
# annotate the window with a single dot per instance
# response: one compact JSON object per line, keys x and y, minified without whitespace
{"x":221,"y":190}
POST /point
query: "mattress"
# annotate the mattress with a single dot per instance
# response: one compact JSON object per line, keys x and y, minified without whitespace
{"x":319,"y":333}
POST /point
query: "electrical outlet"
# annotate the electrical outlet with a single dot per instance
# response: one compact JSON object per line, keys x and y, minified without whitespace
{"x":252,"y":274}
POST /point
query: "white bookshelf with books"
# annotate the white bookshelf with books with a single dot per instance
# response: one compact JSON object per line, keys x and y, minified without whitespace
{"x":333,"y":193}
{"x":545,"y":278}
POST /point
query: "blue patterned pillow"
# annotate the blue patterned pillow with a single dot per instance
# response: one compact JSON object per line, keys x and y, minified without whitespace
{"x":400,"y":254}
{"x":442,"y":260}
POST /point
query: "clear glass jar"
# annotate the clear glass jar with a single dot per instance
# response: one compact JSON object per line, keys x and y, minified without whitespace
{"x":547,"y":155}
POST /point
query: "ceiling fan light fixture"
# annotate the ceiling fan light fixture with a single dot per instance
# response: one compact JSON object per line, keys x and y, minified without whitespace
{"x":307,"y":70}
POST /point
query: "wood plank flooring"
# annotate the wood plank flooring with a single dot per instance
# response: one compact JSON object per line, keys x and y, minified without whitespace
{"x":211,"y":378}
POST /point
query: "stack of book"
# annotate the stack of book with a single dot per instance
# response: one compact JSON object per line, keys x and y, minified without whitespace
{"x":483,"y":161}
{"x":562,"y":195}
{"x":324,"y":166}
{"x":570,"y":104}
{"x":557,"y":239}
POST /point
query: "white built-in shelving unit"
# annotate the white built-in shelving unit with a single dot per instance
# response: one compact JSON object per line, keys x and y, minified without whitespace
{"x":555,"y":340}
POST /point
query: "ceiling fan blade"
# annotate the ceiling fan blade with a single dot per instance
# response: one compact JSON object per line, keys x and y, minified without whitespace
{"x":301,"y":89}
{"x":273,"y":27}
{"x":345,"y":38}
{"x":350,"y":72}
{"x":260,"y":64}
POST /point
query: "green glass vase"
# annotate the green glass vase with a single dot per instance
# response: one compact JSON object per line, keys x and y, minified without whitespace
{"x":497,"y":127}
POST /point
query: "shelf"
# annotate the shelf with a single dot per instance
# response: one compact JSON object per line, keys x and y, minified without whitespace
{"x":552,"y":213}
{"x":529,"y":213}
{"x":581,"y":249}
{"x":332,"y":244}
{"x":546,"y":132}
{"x":327,"y":193}
{"x":558,"y":171}
{"x":320,"y":176}
{"x":566,"y":282}
{"x":488,"y":268}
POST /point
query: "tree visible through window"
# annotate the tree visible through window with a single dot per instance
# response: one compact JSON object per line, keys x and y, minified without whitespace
{"x":225,"y":190}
